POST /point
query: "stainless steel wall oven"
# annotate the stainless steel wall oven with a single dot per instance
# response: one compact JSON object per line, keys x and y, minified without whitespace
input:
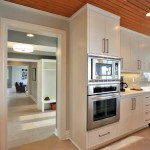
{"x":103,"y":105}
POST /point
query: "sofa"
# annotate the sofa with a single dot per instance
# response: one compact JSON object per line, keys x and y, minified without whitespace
{"x":20,"y":88}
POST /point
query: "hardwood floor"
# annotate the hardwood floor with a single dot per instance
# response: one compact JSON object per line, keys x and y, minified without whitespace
{"x":25,"y":123}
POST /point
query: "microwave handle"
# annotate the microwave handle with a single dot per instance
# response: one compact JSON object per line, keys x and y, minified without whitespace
{"x":104,"y":47}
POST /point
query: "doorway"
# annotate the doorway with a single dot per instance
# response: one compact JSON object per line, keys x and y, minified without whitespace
{"x":61,"y":75}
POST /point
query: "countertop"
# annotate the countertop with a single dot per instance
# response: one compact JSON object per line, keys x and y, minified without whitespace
{"x":129,"y":92}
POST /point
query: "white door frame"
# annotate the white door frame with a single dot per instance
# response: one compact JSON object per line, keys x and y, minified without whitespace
{"x":7,"y":24}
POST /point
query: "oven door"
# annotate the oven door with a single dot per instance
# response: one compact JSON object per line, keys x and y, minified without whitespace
{"x":103,"y":109}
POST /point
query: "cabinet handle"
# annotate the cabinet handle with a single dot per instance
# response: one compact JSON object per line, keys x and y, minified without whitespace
{"x":147,"y":112}
{"x":139,"y":64}
{"x":147,"y":105}
{"x":104,"y":45}
{"x":147,"y":96}
{"x":132,"y":101}
{"x":107,"y":45}
{"x":104,"y":134}
{"x":122,"y":63}
{"x":147,"y":120}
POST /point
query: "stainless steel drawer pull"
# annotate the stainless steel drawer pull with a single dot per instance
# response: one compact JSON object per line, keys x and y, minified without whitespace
{"x":147,"y":120}
{"x":107,"y":40}
{"x":104,"y":48}
{"x":104,"y":134}
{"x":147,"y":112}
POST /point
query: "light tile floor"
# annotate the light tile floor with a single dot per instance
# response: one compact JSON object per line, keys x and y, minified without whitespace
{"x":137,"y":141}
{"x":25,"y":123}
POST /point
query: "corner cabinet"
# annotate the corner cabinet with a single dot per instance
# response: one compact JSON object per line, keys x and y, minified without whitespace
{"x":104,"y":34}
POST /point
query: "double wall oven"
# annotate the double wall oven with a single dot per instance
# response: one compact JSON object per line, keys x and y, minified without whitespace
{"x":103,"y":92}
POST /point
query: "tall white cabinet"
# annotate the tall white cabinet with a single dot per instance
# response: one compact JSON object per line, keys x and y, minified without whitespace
{"x":47,"y":75}
{"x":92,"y":31}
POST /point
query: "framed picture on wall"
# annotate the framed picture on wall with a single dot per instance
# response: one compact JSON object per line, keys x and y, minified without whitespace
{"x":33,"y":74}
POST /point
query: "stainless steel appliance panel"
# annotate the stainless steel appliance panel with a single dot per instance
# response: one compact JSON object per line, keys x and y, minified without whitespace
{"x":103,"y":109}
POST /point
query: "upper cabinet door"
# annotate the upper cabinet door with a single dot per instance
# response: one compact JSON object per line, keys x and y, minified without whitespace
{"x":96,"y":33}
{"x":135,"y":53}
{"x":112,"y":36}
{"x":125,"y":50}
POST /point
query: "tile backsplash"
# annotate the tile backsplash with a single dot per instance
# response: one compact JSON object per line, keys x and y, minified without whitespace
{"x":133,"y":79}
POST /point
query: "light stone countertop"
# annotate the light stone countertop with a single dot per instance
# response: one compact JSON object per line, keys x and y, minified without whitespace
{"x":129,"y":92}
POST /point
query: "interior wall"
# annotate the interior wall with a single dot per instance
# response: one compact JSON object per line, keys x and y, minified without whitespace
{"x":20,"y":13}
{"x":33,"y":84}
{"x":17,"y":75}
{"x":9,"y":77}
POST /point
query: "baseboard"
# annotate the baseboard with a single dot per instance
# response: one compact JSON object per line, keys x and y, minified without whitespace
{"x":33,"y":98}
{"x":75,"y":144}
{"x":67,"y":134}
{"x":55,"y":132}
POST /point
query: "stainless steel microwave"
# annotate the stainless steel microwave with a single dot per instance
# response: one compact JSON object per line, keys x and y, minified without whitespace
{"x":103,"y":69}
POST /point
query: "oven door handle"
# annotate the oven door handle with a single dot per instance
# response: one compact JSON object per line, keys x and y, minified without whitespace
{"x":104,"y":97}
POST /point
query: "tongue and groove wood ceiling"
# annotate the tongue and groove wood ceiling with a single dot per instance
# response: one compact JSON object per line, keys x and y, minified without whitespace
{"x":132,"y":12}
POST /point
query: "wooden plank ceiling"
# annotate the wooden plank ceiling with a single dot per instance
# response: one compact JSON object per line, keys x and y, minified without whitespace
{"x":132,"y":12}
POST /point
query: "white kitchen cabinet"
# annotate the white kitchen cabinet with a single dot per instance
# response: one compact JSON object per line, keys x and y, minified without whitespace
{"x":103,"y":134}
{"x":104,"y":34}
{"x":131,"y":114}
{"x":147,"y":109}
{"x":125,"y":50}
{"x":144,"y":48}
{"x":135,"y":52}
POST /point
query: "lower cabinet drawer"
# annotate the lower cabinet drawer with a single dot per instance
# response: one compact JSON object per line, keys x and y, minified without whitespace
{"x":102,"y":135}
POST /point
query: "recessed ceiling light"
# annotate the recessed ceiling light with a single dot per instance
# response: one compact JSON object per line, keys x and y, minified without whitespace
{"x":30,"y":35}
{"x":148,"y":14}
{"x":24,"y":48}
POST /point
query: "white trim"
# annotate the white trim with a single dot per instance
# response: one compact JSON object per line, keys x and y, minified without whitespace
{"x":22,"y":60}
{"x":67,"y":134}
{"x":75,"y":144}
{"x":33,"y":98}
{"x":33,"y":10}
{"x":6,"y":24}
{"x":55,"y":132}
{"x":132,"y":31}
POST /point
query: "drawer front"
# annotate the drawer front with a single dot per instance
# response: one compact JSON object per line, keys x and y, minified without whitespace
{"x":102,"y":135}
{"x":147,"y":99}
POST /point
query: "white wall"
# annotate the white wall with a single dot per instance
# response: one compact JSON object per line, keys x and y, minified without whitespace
{"x":17,"y":75}
{"x":33,"y":84}
{"x":20,"y":13}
